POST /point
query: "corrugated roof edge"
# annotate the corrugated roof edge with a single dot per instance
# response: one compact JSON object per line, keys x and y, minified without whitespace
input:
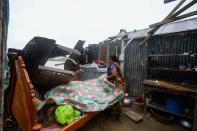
{"x":174,"y":27}
{"x":179,"y":26}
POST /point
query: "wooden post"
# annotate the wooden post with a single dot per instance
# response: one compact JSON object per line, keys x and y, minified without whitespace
{"x":3,"y":38}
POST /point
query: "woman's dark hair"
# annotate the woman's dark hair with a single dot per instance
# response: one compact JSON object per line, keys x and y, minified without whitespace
{"x":114,"y":58}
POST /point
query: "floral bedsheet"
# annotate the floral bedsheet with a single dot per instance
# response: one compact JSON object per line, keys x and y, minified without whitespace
{"x":87,"y":96}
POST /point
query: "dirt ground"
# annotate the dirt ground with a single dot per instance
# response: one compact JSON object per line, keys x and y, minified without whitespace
{"x":104,"y":123}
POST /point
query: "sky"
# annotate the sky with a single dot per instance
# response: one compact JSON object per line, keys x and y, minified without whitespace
{"x":68,"y":21}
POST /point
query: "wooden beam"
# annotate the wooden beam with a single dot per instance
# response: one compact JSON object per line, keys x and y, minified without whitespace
{"x":156,"y":28}
{"x":167,"y":17}
{"x":168,"y":1}
{"x":179,"y":17}
{"x":185,"y":8}
{"x":80,"y":122}
{"x":176,"y":14}
{"x":175,"y":9}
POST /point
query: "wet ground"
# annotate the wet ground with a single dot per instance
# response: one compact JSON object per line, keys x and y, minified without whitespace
{"x":104,"y":123}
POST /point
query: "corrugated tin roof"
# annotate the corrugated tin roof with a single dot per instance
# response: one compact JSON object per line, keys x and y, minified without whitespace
{"x":180,"y":26}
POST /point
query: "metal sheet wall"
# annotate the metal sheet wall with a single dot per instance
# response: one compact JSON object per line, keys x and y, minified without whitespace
{"x":107,"y":49}
{"x":93,"y":52}
{"x":173,"y":47}
{"x":102,"y":52}
{"x":135,"y":67}
{"x":167,"y":53}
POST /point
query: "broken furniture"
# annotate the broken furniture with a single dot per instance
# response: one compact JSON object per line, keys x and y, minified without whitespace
{"x":23,"y":89}
{"x":48,"y":77}
{"x":173,"y":89}
{"x":36,"y":53}
{"x":22,"y":95}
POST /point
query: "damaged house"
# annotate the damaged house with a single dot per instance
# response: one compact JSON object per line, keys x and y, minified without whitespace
{"x":159,"y":65}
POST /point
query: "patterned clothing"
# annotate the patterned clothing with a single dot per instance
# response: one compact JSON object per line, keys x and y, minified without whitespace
{"x":117,"y":80}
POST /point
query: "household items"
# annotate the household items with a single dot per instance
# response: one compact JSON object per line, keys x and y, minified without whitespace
{"x":127,"y":100}
{"x":182,"y":67}
{"x":186,"y":123}
{"x":162,"y":116}
{"x":195,"y":68}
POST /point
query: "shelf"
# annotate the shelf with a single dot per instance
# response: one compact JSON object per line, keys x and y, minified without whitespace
{"x":170,"y":86}
{"x":186,"y":54}
{"x":162,"y":108}
{"x":168,"y":69}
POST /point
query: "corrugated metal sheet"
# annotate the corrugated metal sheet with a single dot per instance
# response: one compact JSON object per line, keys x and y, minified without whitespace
{"x":173,"y":47}
{"x":93,"y":52}
{"x":109,"y":48}
{"x":135,"y":67}
{"x":180,"y":26}
{"x":103,"y":52}
{"x":168,"y":52}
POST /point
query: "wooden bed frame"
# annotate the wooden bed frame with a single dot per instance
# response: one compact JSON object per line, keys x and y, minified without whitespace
{"x":22,"y":94}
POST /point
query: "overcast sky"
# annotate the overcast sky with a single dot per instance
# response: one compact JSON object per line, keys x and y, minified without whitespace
{"x":67,"y":21}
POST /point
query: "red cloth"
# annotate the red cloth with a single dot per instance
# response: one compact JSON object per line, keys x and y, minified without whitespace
{"x":99,"y":62}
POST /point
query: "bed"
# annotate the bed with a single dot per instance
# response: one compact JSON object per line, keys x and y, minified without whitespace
{"x":22,"y":99}
{"x":22,"y":95}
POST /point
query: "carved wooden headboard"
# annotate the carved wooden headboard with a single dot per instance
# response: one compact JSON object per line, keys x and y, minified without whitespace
{"x":22,"y":94}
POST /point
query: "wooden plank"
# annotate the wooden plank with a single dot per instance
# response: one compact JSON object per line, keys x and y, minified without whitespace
{"x":170,"y":69}
{"x":184,"y":8}
{"x":167,"y":17}
{"x":56,"y":70}
{"x":80,"y":122}
{"x":168,"y":1}
{"x":156,"y":28}
{"x":3,"y":38}
{"x":176,"y":18}
{"x":176,"y":14}
{"x":161,"y":108}
{"x":170,"y":86}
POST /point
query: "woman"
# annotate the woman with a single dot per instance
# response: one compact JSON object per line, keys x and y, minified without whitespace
{"x":114,"y":74}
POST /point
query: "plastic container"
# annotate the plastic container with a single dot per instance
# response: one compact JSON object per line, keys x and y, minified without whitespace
{"x":174,"y":104}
